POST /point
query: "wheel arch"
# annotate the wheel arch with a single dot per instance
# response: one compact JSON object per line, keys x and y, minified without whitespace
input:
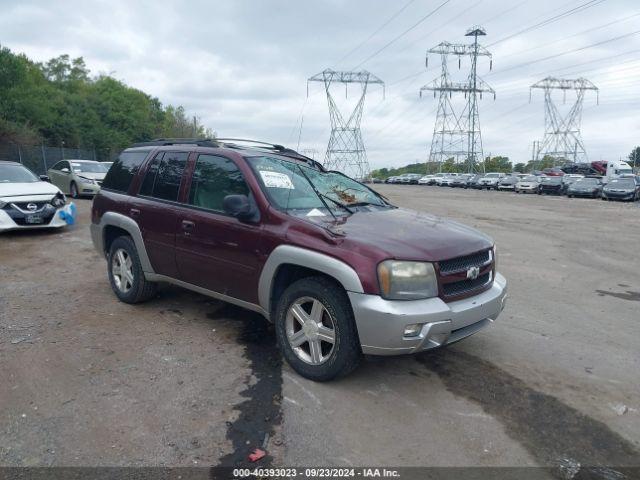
{"x":114,"y":225}
{"x":288,"y":263}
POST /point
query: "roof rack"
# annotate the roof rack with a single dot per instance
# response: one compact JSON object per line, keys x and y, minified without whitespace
{"x":201,"y":142}
{"x":269,"y":147}
{"x":235,"y":143}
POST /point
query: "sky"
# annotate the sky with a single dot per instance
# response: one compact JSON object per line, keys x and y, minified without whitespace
{"x":241,"y":66}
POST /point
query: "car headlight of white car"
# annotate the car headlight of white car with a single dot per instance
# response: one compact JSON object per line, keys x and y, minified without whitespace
{"x":403,"y":280}
{"x":59,"y":200}
{"x":88,"y":181}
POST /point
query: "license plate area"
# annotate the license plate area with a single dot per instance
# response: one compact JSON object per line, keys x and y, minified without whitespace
{"x":33,"y":219}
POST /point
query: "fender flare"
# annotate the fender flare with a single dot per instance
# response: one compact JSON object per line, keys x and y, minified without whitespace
{"x":131,"y":227}
{"x":291,"y":255}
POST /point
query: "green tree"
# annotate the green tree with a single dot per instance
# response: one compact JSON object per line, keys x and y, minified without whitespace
{"x":497,"y":164}
{"x":58,"y":101}
{"x":634,"y":157}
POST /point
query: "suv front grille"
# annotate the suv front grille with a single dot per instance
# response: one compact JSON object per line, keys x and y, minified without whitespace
{"x":453,"y":275}
{"x":464,"y":263}
{"x":463,"y":287}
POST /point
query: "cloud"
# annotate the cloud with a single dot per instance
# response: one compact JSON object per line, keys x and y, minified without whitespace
{"x":241,"y":65}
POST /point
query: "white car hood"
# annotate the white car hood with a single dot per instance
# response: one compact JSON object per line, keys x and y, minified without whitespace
{"x":13,"y":190}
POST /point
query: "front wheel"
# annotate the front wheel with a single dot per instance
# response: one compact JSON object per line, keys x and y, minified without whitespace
{"x":316,"y":330}
{"x":73,"y":190}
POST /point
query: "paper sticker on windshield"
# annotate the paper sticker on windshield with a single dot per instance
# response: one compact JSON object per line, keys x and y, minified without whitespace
{"x":315,"y":213}
{"x":276,"y":180}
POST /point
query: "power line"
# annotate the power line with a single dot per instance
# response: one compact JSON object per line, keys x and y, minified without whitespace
{"x":378,"y":30}
{"x":548,"y":21}
{"x":388,"y":44}
{"x":575,"y":50}
{"x":588,"y":30}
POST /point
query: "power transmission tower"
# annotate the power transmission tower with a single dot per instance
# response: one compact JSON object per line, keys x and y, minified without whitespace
{"x":562,"y":136}
{"x":345,"y":151}
{"x":310,"y":152}
{"x":457,"y":135}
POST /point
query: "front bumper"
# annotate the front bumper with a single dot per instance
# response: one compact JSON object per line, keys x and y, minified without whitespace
{"x":62,"y":217}
{"x":88,"y":188}
{"x":381,"y":322}
{"x":583,"y":193}
{"x":618,"y":195}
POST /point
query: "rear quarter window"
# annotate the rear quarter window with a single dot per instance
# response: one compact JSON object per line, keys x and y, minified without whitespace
{"x":123,"y":170}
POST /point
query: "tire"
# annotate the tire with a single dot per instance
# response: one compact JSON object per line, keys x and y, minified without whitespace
{"x":341,"y":357}
{"x":73,"y":190}
{"x":139,"y":289}
{"x":570,"y":196}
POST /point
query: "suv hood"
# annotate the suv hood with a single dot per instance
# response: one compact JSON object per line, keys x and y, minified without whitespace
{"x":409,"y":235}
{"x":31,"y":188}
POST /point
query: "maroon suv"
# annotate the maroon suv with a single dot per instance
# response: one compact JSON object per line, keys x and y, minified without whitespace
{"x":336,"y":267}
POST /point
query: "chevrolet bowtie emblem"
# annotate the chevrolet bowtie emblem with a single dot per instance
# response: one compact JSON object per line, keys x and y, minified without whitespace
{"x":473,"y":273}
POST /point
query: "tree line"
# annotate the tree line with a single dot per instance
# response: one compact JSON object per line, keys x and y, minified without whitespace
{"x":59,"y":103}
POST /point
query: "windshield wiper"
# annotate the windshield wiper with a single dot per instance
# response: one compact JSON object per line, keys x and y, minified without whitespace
{"x":340,"y":204}
{"x":364,"y":204}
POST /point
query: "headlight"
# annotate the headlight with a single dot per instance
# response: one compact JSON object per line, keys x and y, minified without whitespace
{"x":401,"y":280}
{"x":59,"y":200}
{"x":86,"y":180}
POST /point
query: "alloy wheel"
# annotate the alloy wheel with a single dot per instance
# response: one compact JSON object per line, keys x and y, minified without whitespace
{"x":310,"y":330}
{"x":122,"y":270}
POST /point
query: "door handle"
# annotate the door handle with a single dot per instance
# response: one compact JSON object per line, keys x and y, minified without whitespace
{"x":188,"y":226}
{"x":134,"y":212}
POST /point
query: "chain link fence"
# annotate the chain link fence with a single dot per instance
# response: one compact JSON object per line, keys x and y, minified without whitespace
{"x":39,"y":158}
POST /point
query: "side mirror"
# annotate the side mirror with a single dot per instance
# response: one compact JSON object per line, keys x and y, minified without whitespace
{"x":65,"y":170}
{"x":45,"y":178}
{"x":239,"y":206}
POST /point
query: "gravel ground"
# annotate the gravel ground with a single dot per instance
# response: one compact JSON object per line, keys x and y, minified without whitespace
{"x":184,"y":380}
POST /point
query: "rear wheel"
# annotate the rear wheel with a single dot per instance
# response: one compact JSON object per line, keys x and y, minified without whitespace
{"x":316,"y":330}
{"x":125,"y":273}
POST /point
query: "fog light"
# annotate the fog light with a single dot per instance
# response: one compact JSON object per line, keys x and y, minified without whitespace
{"x":413,"y":330}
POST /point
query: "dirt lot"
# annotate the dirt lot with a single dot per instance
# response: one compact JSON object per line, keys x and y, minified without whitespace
{"x":184,"y":380}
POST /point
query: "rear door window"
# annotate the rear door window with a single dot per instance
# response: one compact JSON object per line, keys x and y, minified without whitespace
{"x":213,"y":179}
{"x":163,"y":178}
{"x":150,"y":177}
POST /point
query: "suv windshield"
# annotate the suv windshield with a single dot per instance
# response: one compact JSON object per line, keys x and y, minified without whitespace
{"x":89,"y":167}
{"x":623,"y":182}
{"x":294,"y":187}
{"x":16,"y":174}
{"x":552,"y":180}
{"x":587,"y":181}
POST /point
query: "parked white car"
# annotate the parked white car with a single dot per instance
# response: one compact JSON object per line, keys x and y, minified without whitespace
{"x":427,"y":180}
{"x":445,"y":179}
{"x":528,"y":184}
{"x":27,"y":201}
{"x":491,"y":180}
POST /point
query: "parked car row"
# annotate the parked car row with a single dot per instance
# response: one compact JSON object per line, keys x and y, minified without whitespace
{"x":571,"y":185}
